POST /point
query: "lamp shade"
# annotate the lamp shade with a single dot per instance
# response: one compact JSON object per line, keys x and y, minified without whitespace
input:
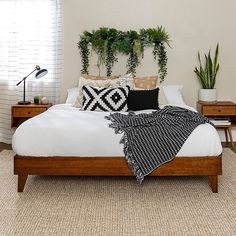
{"x":41,"y":73}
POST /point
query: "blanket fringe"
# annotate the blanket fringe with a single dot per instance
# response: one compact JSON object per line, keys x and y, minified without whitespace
{"x":113,"y":125}
{"x":127,"y":149}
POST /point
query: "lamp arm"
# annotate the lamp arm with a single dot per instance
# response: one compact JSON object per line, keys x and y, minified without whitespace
{"x":26,"y":76}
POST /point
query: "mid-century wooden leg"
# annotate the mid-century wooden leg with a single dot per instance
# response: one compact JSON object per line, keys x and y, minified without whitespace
{"x":213,"y":183}
{"x":231,"y":138}
{"x":21,"y":182}
{"x":226,"y":135}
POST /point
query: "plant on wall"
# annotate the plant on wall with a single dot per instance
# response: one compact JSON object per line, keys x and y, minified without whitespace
{"x":108,"y":42}
{"x":99,"y":46}
{"x":101,"y":41}
{"x":83,"y":46}
{"x":111,"y":52}
{"x":157,"y":37}
{"x":136,"y":51}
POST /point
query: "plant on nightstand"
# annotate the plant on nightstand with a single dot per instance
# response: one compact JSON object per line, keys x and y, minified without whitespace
{"x":207,"y":76}
{"x":36,"y":99}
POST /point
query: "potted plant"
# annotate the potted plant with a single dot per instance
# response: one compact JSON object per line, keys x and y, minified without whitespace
{"x":36,"y":99}
{"x":207,"y":76}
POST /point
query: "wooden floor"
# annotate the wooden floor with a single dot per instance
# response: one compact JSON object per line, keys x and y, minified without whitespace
{"x":8,"y":146}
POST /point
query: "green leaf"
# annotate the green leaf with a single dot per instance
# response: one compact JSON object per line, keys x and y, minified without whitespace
{"x":207,"y":74}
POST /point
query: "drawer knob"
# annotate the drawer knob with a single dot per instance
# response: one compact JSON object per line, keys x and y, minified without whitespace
{"x":29,"y":112}
{"x":219,"y":110}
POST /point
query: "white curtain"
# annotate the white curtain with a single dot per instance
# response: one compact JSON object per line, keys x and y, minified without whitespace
{"x":30,"y":35}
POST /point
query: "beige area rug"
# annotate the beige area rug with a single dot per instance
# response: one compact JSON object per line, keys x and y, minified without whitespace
{"x":117,"y":206}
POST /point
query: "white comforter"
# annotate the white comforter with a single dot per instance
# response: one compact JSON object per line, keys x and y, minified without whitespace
{"x":66,"y":131}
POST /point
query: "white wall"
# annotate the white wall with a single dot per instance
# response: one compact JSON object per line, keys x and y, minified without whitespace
{"x":192,"y":24}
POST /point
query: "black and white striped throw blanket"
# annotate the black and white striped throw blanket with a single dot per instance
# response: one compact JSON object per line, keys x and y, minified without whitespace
{"x":151,"y":140}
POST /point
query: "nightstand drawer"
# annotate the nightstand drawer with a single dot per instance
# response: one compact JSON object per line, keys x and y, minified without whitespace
{"x":24,"y":112}
{"x":218,"y":110}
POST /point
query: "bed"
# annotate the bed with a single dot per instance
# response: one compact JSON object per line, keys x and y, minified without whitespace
{"x":67,"y":141}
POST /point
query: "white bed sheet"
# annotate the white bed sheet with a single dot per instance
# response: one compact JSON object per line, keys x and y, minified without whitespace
{"x":67,"y":131}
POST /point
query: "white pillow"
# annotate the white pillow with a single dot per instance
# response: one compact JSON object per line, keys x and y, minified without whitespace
{"x":72,"y":95}
{"x":173,"y":94}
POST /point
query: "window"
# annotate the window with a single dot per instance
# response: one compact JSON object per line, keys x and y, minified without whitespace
{"x":30,"y":35}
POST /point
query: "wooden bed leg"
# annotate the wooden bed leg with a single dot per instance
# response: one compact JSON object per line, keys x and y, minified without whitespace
{"x":213,"y":183}
{"x":21,"y":182}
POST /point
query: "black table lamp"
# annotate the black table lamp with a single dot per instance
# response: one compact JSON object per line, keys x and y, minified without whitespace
{"x":39,"y":74}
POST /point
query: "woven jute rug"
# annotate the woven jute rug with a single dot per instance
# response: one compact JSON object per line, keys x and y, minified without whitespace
{"x":117,"y":206}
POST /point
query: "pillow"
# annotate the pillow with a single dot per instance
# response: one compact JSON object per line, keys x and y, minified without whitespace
{"x":111,"y":83}
{"x":173,"y":94}
{"x":148,"y":82}
{"x":71,"y":95}
{"x":143,"y":99}
{"x":94,"y":77}
{"x":105,"y":99}
{"x":161,"y":97}
{"x":127,"y":80}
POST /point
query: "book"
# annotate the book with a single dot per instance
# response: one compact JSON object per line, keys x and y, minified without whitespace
{"x":220,"y":119}
{"x":220,"y":122}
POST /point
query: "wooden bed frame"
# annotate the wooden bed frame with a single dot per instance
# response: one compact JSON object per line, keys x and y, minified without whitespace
{"x":210,"y":166}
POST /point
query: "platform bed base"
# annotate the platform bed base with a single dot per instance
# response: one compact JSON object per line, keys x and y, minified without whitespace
{"x":114,"y":166}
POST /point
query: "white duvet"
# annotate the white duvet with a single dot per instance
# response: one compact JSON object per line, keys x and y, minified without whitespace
{"x":66,"y":131}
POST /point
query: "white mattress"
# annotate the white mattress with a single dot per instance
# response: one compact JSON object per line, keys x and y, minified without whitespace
{"x":66,"y":131}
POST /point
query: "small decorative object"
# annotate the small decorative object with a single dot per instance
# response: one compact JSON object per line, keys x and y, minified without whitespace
{"x":44,"y":100}
{"x":36,"y":100}
{"x":207,"y":76}
{"x":39,"y":74}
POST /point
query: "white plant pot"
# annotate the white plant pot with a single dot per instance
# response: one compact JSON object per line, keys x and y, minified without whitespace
{"x":207,"y":95}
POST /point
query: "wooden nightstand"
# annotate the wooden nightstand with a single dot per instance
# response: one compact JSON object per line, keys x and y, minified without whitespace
{"x":21,"y":113}
{"x":221,"y":109}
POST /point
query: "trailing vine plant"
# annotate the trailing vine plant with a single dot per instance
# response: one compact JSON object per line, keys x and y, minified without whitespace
{"x":160,"y":55}
{"x":83,"y":46}
{"x":111,"y":52}
{"x":156,"y":37}
{"x":99,"y":46}
{"x":108,"y":42}
{"x":135,"y":53}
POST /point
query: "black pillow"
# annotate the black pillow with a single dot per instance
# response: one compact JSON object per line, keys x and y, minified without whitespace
{"x":143,"y":99}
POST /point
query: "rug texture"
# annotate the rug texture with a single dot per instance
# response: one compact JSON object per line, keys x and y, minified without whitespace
{"x":117,"y":206}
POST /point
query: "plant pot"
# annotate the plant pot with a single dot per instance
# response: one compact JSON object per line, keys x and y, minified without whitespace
{"x":207,"y":95}
{"x":36,"y":100}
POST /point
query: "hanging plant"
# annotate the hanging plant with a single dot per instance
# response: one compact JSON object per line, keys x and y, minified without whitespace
{"x":122,"y":44}
{"x":83,"y":46}
{"x":101,"y":43}
{"x":108,"y":42}
{"x":156,"y":37}
{"x":111,"y":53}
{"x":160,"y":55}
{"x":136,"y":51}
{"x":99,"y":46}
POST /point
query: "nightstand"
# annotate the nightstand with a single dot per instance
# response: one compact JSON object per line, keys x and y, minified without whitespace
{"x":21,"y":113}
{"x":221,"y":109}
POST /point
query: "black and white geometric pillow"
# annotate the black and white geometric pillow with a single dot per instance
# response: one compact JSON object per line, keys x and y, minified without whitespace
{"x":105,"y":99}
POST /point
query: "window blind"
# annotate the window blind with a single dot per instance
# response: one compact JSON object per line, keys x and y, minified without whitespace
{"x":30,"y":35}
